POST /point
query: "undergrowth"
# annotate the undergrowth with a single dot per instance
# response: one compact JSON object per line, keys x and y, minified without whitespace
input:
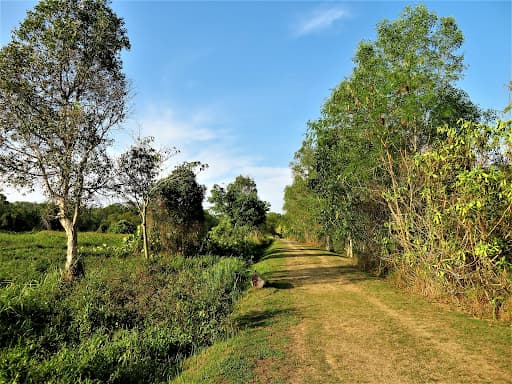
{"x":127,"y":321}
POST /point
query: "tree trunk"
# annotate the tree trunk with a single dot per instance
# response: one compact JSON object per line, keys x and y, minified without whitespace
{"x":328,"y":244}
{"x":349,"y":247}
{"x":74,"y":266}
{"x":144,"y":224}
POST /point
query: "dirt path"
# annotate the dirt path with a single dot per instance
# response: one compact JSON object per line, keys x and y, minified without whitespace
{"x":352,"y":328}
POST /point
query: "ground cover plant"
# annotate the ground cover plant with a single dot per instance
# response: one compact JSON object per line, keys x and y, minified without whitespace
{"x":127,"y":320}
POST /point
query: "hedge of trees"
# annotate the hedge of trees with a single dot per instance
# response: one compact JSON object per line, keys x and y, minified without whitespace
{"x":404,"y":171}
{"x":23,"y":216}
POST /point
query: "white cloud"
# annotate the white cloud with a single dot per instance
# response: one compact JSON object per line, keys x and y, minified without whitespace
{"x":167,"y":127}
{"x":319,"y":19}
{"x":200,"y":136}
{"x":203,"y":136}
{"x":270,"y":182}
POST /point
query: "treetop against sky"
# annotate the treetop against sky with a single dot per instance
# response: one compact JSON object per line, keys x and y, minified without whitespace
{"x":232,"y":84}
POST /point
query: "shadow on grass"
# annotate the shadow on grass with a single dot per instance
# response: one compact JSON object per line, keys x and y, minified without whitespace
{"x":280,"y":253}
{"x":279,"y":284}
{"x":318,"y":275}
{"x":307,"y":268}
{"x":256,"y":319}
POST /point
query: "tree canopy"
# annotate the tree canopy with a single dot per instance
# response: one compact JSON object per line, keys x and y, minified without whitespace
{"x":177,"y":209}
{"x":239,"y":202}
{"x":405,"y":168}
{"x":137,"y":174}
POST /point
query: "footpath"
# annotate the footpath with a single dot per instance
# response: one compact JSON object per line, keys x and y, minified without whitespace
{"x":321,"y":320}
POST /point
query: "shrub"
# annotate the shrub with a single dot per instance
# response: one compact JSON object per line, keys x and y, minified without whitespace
{"x":123,"y":226}
{"x":126,"y":322}
{"x":232,"y":240}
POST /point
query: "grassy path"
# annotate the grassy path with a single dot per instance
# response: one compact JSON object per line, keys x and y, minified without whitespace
{"x":322,"y":321}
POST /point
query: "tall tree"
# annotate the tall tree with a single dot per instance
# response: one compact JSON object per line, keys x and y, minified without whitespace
{"x":402,"y":87}
{"x":137,"y":174}
{"x":62,"y":90}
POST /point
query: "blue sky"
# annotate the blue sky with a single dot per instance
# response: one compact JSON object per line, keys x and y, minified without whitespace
{"x":232,"y":84}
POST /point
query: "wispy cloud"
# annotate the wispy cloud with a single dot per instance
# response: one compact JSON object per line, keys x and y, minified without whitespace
{"x":203,"y":135}
{"x":167,"y":126}
{"x":200,"y":135}
{"x":319,"y":19}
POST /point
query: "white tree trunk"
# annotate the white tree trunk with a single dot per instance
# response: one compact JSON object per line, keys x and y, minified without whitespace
{"x":328,"y":244}
{"x":348,"y":247}
{"x":73,"y":267}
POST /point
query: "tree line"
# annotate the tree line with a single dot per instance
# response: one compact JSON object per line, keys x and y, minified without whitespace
{"x":23,"y":216}
{"x":404,"y":171}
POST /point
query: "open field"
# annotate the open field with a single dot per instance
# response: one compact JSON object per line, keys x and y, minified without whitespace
{"x":129,"y":320}
{"x":29,"y":256}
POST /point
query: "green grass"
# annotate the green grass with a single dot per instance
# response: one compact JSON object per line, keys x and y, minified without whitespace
{"x":260,"y":321}
{"x":28,"y":257}
{"x":127,"y":321}
{"x":323,"y":321}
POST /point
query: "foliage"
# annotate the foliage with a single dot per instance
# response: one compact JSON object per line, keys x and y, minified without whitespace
{"x":241,"y":220}
{"x":20,"y":216}
{"x":101,"y":219}
{"x":62,"y":91}
{"x":360,"y":181}
{"x":122,"y":226}
{"x":233,"y":240}
{"x":137,"y":172}
{"x":239,"y":202}
{"x":451,"y":215}
{"x":274,"y":224}
{"x":24,"y":216}
{"x":124,"y":322}
{"x":177,"y":210}
{"x":302,"y":217}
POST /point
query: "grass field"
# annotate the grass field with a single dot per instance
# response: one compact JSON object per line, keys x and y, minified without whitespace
{"x":26,"y":257}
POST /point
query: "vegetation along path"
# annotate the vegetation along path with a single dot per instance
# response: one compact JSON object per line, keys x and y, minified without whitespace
{"x":323,"y":321}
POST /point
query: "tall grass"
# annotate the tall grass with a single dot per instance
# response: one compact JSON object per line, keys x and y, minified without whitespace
{"x":127,"y":321}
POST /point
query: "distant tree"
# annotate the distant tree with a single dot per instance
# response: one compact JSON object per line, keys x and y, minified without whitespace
{"x":62,"y":90}
{"x":122,"y":226}
{"x":239,"y":202}
{"x":106,"y":217}
{"x":4,"y":211}
{"x":137,"y":172}
{"x":178,"y":208}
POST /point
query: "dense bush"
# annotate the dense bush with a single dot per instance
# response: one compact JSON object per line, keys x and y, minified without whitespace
{"x":451,"y":217}
{"x":176,"y":214}
{"x":234,"y":240}
{"x":123,"y":226}
{"x":126,"y":322}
